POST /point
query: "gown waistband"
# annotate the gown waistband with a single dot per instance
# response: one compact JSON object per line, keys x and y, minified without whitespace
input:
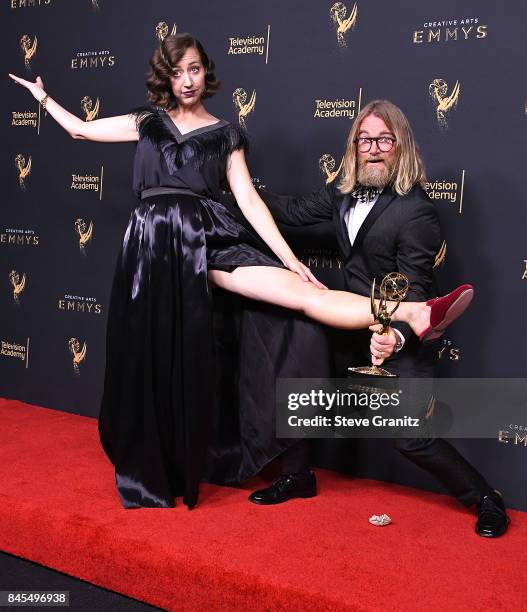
{"x":155,"y":191}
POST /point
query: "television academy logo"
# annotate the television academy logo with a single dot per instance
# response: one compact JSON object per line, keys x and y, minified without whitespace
{"x":85,"y":233}
{"x":162,"y":30}
{"x":327,"y":165}
{"x":444,"y":102}
{"x":28,"y":49}
{"x":78,"y":355}
{"x":244,"y":108}
{"x":24,"y":169}
{"x":524,"y":275}
{"x":450,"y":190}
{"x":88,"y":182}
{"x":90,"y":111}
{"x":341,"y":22}
{"x":18,"y":284}
{"x":15,"y":350}
{"x":255,"y":44}
{"x":335,"y":109}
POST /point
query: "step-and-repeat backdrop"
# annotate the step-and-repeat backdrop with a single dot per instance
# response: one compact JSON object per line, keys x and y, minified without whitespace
{"x":295,"y":74}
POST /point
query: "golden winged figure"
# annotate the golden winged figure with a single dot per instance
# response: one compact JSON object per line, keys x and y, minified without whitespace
{"x":23,"y":168}
{"x":87,"y":104}
{"x":78,"y":355}
{"x":441,"y":255}
{"x":342,"y":23}
{"x":438,"y":89}
{"x":18,"y":285}
{"x":327,"y":165}
{"x":162,"y":30}
{"x":85,"y":232}
{"x":239,"y":97}
{"x":28,"y":48}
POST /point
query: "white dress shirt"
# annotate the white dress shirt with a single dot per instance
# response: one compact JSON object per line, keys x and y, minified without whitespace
{"x":354,"y":218}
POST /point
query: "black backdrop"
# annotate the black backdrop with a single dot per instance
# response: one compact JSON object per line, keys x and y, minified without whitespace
{"x":308,"y":84}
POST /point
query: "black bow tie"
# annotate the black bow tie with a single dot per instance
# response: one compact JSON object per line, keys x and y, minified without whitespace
{"x":365,"y":194}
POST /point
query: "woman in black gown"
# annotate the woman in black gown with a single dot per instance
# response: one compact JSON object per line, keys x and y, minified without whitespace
{"x":180,"y":240}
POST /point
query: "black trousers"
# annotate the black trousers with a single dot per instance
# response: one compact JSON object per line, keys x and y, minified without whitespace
{"x":437,"y":456}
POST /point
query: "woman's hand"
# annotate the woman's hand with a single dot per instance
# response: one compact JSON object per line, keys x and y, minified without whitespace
{"x":304,"y":272}
{"x":36,"y":88}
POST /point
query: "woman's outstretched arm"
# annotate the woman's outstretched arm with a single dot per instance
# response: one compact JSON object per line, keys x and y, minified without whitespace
{"x":259,"y":216}
{"x":111,"y":129}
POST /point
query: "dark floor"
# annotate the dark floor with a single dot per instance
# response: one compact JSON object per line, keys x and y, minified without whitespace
{"x":21,"y":575}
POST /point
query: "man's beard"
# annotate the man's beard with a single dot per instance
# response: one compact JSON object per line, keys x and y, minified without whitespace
{"x":374,"y":175}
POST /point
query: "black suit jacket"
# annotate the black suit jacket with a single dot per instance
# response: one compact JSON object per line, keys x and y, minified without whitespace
{"x":400,"y":234}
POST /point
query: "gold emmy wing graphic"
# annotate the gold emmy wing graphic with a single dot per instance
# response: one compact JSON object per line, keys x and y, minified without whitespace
{"x":78,"y":355}
{"x":85,"y":233}
{"x":342,"y":23}
{"x":327,"y":165}
{"x":162,"y":30}
{"x":394,"y":287}
{"x":441,"y":255}
{"x":23,"y":169}
{"x":438,"y":89}
{"x":90,"y":111}
{"x":17,"y":284}
{"x":244,"y":108}
{"x":29,"y":49}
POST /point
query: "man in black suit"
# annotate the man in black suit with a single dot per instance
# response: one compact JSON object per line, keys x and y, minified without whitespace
{"x":385,"y":222}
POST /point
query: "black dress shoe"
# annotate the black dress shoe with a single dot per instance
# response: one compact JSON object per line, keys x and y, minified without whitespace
{"x":288,"y":486}
{"x":492,"y":518}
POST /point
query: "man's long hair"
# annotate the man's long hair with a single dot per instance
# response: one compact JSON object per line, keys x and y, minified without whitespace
{"x":409,"y":168}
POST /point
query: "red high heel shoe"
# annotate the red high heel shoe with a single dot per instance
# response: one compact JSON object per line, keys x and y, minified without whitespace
{"x":445,"y":310}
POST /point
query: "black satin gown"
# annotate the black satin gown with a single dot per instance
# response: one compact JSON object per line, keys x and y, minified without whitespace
{"x":165,"y":401}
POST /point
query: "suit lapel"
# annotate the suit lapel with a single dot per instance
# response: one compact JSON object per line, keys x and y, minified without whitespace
{"x":343,"y":236}
{"x":378,"y":208}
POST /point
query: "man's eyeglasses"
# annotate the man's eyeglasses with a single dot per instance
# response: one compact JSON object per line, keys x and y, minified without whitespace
{"x":384,"y":143}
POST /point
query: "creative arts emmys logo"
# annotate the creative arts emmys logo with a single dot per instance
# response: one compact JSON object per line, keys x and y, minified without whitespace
{"x":505,"y":435}
{"x":327,"y":165}
{"x":78,"y":303}
{"x":162,"y":30}
{"x":90,"y":111}
{"x":18,"y":284}
{"x":93,"y":59}
{"x":19,"y":237}
{"x":24,"y":169}
{"x":16,"y":4}
{"x":321,"y":258}
{"x":438,"y":90}
{"x":449,"y":30}
{"x":28,"y":49}
{"x":78,"y":355}
{"x":244,"y":108}
{"x":448,"y":351}
{"x":342,"y":23}
{"x":85,"y":233}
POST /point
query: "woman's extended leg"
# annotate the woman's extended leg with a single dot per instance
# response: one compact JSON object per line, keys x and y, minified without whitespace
{"x":335,"y":308}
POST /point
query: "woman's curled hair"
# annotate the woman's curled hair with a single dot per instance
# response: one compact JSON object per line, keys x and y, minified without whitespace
{"x":163,"y":62}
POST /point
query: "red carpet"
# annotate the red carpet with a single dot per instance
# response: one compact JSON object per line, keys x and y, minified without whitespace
{"x":58,"y":507}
